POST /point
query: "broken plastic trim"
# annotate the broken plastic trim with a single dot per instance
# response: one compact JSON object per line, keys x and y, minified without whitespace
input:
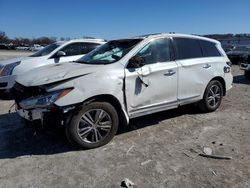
{"x":141,"y":80}
{"x":43,"y":101}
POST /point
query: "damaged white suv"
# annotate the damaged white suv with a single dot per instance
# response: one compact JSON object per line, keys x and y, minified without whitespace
{"x":124,"y":79}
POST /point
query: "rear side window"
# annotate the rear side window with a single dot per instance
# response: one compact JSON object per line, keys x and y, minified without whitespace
{"x":209,"y":49}
{"x":188,"y":48}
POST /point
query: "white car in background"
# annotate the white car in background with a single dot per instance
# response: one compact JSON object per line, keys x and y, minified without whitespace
{"x":36,"y":47}
{"x":58,"y":52}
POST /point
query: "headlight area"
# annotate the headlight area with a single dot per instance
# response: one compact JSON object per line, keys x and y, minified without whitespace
{"x":44,"y":101}
{"x":43,"y":109}
{"x":7,"y":70}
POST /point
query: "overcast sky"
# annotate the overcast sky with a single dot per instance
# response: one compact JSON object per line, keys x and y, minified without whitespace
{"x":111,"y":19}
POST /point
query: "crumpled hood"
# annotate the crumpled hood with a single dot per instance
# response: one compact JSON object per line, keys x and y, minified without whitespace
{"x":13,"y":60}
{"x":54,"y":73}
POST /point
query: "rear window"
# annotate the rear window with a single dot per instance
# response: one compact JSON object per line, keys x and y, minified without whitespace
{"x":188,"y":48}
{"x":209,"y":49}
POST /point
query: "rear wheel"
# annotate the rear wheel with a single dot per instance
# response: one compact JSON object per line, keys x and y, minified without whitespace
{"x":212,"y":97}
{"x":93,"y":126}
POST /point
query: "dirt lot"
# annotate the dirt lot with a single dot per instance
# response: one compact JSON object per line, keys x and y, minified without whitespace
{"x":160,"y":150}
{"x":7,"y":54}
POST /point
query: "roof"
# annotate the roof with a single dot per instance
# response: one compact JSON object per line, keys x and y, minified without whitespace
{"x":83,"y":40}
{"x":155,"y":35}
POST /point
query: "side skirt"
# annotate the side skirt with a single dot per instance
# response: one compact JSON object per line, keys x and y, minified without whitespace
{"x":162,"y":107}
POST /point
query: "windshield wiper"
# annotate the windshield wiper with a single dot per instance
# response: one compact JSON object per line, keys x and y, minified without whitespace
{"x":91,"y":63}
{"x":78,"y":61}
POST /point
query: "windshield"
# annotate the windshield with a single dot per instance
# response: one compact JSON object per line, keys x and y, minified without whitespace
{"x":110,"y":52}
{"x":242,"y":48}
{"x":46,"y":50}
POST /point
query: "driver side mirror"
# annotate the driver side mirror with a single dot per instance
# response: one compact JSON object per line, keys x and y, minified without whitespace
{"x":60,"y":54}
{"x":136,"y":62}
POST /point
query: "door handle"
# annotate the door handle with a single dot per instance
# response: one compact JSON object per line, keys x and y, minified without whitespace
{"x":206,"y":66}
{"x":169,"y":73}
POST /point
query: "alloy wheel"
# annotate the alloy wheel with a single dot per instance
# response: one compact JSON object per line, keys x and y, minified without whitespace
{"x":214,"y":96}
{"x":94,"y":126}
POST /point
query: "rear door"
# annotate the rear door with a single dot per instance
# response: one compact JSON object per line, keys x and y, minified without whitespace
{"x":197,"y":66}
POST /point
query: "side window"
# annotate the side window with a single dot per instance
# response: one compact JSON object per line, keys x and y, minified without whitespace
{"x":209,"y":49}
{"x":88,"y":47}
{"x":156,"y":51}
{"x":73,"y":49}
{"x":79,"y":48}
{"x":188,"y":48}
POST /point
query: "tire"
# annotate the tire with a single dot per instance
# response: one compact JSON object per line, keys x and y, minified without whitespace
{"x":247,"y":74}
{"x":93,"y":126}
{"x":212,"y":97}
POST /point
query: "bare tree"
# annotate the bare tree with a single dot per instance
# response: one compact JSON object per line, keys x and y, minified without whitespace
{"x":3,"y":37}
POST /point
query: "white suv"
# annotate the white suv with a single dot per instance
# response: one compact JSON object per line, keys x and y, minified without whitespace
{"x":57,"y":52}
{"x":124,"y":79}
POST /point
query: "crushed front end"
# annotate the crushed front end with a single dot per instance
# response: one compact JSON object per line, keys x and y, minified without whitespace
{"x":36,"y":104}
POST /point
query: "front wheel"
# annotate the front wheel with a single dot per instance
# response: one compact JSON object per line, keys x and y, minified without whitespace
{"x":93,"y":126}
{"x":212,"y":97}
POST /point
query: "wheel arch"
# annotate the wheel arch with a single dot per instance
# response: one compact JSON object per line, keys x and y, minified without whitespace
{"x":223,"y":83}
{"x":123,"y":117}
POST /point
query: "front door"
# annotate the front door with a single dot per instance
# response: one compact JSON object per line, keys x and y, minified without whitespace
{"x":152,"y":87}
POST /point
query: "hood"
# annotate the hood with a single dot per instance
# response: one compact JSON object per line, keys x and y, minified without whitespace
{"x":55,"y":72}
{"x":13,"y":60}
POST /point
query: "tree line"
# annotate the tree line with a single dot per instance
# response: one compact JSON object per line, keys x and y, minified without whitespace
{"x":20,"y":41}
{"x":4,"y":39}
{"x":229,"y":36}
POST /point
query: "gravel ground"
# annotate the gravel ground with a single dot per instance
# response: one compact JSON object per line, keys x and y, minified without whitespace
{"x":7,"y":54}
{"x":159,"y":150}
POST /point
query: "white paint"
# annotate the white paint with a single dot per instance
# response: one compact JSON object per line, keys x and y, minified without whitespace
{"x":185,"y":85}
{"x":31,"y":63}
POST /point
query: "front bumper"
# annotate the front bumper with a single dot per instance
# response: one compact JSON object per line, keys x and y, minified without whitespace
{"x":245,"y":66}
{"x":5,"y":95}
{"x":6,"y":85}
{"x":32,"y":115}
{"x":7,"y":82}
{"x":47,"y":116}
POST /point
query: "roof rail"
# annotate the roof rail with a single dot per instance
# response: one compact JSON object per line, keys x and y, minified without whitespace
{"x":148,"y":35}
{"x":153,"y":34}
